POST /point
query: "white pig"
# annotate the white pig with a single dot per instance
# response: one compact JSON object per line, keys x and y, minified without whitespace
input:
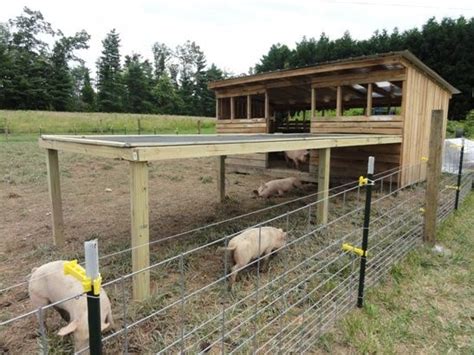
{"x":296,"y":156}
{"x":48,"y":284}
{"x":278,"y":187}
{"x":253,"y":243}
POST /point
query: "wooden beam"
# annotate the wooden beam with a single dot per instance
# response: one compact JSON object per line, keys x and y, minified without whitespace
{"x":339,"y":102}
{"x":324,"y":167}
{"x":330,"y":67}
{"x":221,"y":178}
{"x":55,"y":196}
{"x":74,"y":145}
{"x":213,"y":147}
{"x":368,"y":111}
{"x":140,"y":229}
{"x":217,"y":108}
{"x":433,"y":176}
{"x":359,"y":78}
{"x":313,"y":103}
{"x":267,"y":105}
{"x":249,"y":106}
{"x":232,"y":108}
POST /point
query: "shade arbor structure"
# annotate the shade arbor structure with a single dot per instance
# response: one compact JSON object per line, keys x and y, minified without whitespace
{"x":385,"y":94}
{"x":139,"y":150}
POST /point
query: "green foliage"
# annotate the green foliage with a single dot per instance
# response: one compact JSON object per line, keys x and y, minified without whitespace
{"x":446,"y":46}
{"x":469,"y":125}
{"x":110,"y":91}
{"x":34,"y":77}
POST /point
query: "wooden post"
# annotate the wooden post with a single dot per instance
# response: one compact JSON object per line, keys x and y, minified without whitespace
{"x":313,"y":103}
{"x":368,"y":111}
{"x":323,"y":185}
{"x":339,"y":101}
{"x":232,"y":108}
{"x":249,"y":106}
{"x":433,"y":176}
{"x":267,"y":105}
{"x":217,"y":108}
{"x":55,"y":196}
{"x":140,"y":229}
{"x":221,"y":178}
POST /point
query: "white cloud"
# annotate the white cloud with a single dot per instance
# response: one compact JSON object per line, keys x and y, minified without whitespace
{"x":233,"y":34}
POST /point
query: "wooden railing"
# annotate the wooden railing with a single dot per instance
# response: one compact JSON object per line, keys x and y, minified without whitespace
{"x":358,"y":124}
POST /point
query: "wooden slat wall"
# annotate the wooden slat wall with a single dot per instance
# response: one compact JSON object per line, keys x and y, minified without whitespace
{"x":380,"y":126}
{"x":351,"y":162}
{"x":258,"y":160}
{"x":423,"y":96}
{"x":238,"y":126}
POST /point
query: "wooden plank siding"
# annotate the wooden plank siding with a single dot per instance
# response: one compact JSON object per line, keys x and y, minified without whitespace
{"x":238,"y":126}
{"x":351,"y":162}
{"x":358,"y":126}
{"x":423,"y":96}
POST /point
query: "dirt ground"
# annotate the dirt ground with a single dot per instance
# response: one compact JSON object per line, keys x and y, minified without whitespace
{"x":96,"y":204}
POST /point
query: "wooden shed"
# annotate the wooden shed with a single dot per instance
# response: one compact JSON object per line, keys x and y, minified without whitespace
{"x":391,"y":93}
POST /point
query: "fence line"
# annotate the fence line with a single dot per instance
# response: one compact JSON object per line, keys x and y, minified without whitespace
{"x":303,"y":296}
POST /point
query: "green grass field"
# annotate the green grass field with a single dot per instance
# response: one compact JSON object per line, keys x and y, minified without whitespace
{"x":33,"y":123}
{"x":426,"y":305}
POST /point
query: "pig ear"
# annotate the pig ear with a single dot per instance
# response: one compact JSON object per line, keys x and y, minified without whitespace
{"x":68,"y":328}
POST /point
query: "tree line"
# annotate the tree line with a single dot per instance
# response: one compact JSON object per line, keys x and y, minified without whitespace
{"x":446,"y":46}
{"x":36,"y":77}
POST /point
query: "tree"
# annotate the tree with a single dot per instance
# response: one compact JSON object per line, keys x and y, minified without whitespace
{"x":25,"y":81}
{"x":161,"y":56}
{"x":110,"y":90}
{"x":83,"y":92}
{"x":278,"y":57}
{"x":138,"y":82}
{"x":61,"y":80}
{"x":88,"y":95}
{"x":165,"y":96}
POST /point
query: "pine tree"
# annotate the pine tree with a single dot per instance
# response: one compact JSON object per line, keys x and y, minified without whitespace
{"x":138,"y":82}
{"x":61,"y":80}
{"x":110,"y":92}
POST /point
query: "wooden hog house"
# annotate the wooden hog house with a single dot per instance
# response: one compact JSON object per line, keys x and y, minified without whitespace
{"x":386,"y":94}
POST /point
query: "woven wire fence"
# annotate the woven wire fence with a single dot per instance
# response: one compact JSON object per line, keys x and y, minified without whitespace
{"x":283,"y":305}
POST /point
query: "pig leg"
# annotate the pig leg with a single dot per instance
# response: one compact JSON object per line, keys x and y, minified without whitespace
{"x":37,"y":302}
{"x":265,"y":260}
{"x":233,"y":276}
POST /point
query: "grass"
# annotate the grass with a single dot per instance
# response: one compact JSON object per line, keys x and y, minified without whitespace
{"x":32,"y":123}
{"x":426,"y":305}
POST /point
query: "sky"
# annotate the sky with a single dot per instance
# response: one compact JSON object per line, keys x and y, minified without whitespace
{"x":233,"y":34}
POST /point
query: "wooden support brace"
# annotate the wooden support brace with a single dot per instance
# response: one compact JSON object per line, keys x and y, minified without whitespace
{"x":55,"y":196}
{"x":433,"y":176}
{"x":232,"y":108}
{"x":369,"y":100}
{"x":313,"y":102}
{"x":249,"y":106}
{"x":323,"y":185}
{"x":218,"y":114}
{"x":221,"y":178}
{"x":140,"y":229}
{"x":339,"y":101}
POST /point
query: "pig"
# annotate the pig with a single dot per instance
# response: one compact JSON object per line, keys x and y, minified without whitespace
{"x":279,"y":186}
{"x":296,"y":156}
{"x":251,"y":244}
{"x":48,"y":284}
